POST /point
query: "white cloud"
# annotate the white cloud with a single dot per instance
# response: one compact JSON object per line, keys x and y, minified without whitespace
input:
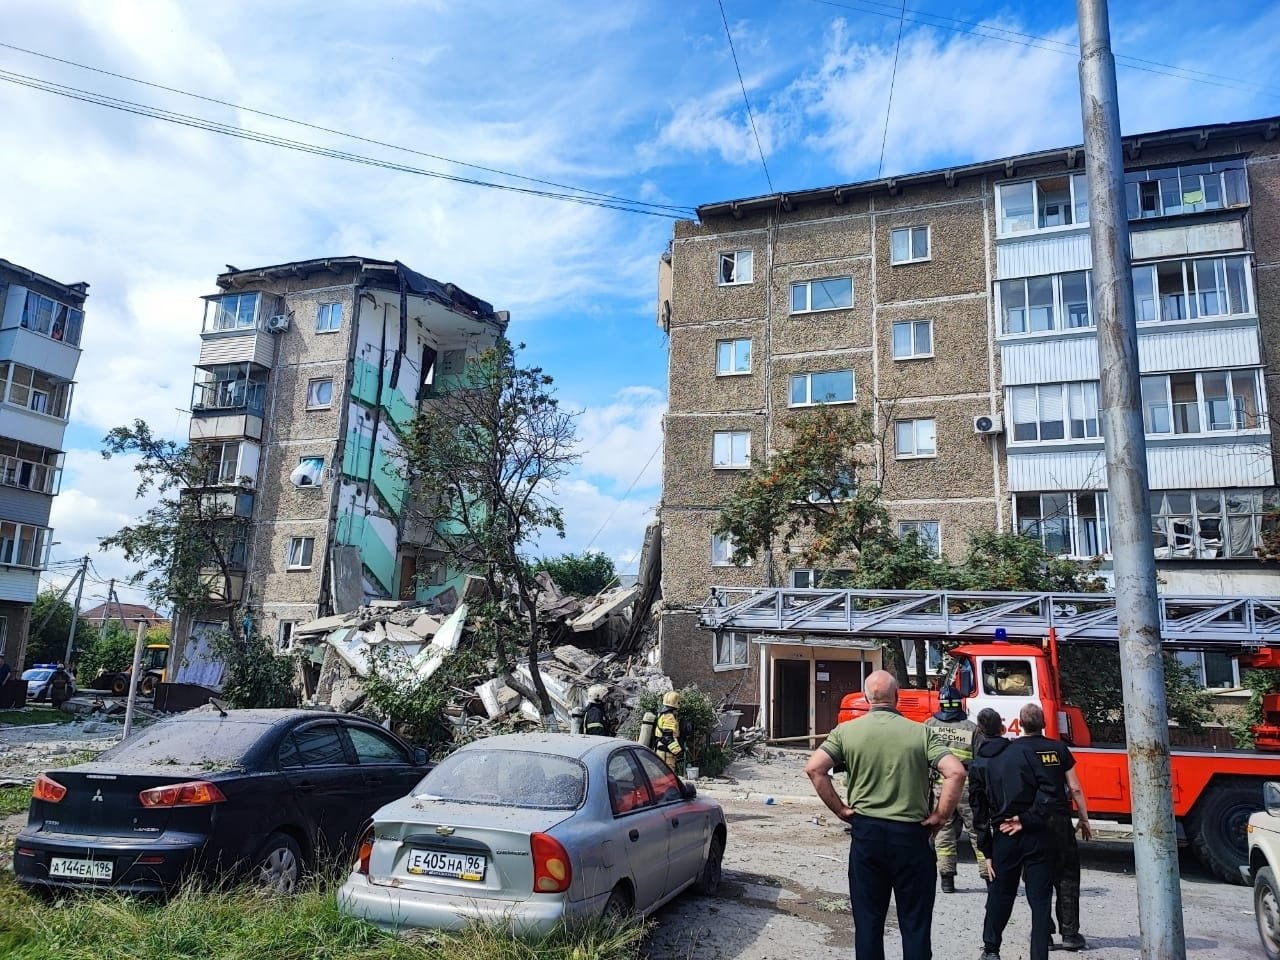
{"x":618,"y":438}
{"x":595,"y":520}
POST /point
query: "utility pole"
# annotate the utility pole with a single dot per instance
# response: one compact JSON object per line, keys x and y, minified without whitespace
{"x":75,"y":610}
{"x":1128,"y":499}
{"x":106,"y":616}
{"x":132,"y":702}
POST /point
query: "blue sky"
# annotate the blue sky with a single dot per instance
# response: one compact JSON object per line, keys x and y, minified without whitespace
{"x":637,"y":100}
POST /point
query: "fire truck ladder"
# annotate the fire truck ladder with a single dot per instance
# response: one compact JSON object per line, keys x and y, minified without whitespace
{"x":1189,"y":623}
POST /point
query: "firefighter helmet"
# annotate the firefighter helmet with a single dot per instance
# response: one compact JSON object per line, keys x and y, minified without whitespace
{"x":949,"y":698}
{"x":671,"y":699}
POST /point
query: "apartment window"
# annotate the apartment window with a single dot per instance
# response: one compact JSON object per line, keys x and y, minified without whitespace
{"x":319,"y":393}
{"x":1066,"y":524}
{"x":730,"y":651}
{"x":1036,"y":304}
{"x":284,"y":636}
{"x":34,"y":391}
{"x":1212,"y":669}
{"x":1055,"y":411}
{"x":908,"y":244}
{"x":29,"y":467}
{"x":929,"y":532}
{"x":23,"y":545}
{"x":328,"y":317}
{"x":230,"y":386}
{"x":735,"y":268}
{"x":51,"y":319}
{"x":722,"y":550}
{"x":237,"y":311}
{"x":912,"y":339}
{"x":733,"y":356}
{"x":830,"y":386}
{"x":224,"y":462}
{"x":299,"y":556}
{"x":811,"y":296}
{"x":1216,"y":400}
{"x":916,"y":438}
{"x":806,"y":579}
{"x":1189,"y":188}
{"x":1042,"y":204}
{"x":1210,"y":524}
{"x":308,"y":473}
{"x":731,"y":448}
{"x":1191,"y":289}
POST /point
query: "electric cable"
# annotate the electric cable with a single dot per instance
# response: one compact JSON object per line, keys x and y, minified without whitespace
{"x":893,"y":79}
{"x":743,"y":87}
{"x":617,"y":506}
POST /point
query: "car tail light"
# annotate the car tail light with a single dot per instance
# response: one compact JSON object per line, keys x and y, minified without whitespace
{"x":364,"y":850}
{"x":552,"y":872}
{"x":48,"y":789}
{"x":193,"y":793}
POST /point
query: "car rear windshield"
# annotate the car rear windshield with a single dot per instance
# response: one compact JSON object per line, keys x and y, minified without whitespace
{"x":507,"y":778}
{"x":209,"y":743}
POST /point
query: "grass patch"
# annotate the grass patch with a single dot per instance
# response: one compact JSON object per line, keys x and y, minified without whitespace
{"x":241,"y":925}
{"x":31,"y":716}
{"x":14,"y":800}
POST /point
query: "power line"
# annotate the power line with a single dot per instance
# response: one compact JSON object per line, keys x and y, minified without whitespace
{"x":617,"y":506}
{"x":214,"y":126}
{"x":1005,"y":35}
{"x":893,"y":78}
{"x":743,"y":87}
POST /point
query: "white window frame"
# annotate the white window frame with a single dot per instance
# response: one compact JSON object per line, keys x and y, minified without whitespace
{"x":300,"y":554}
{"x":734,"y":258}
{"x":734,"y":345}
{"x":311,"y":385}
{"x":808,"y":388}
{"x":1229,"y":176}
{"x":912,"y":325}
{"x":733,"y":641}
{"x":722,"y":548}
{"x":1075,"y":521}
{"x":1087,"y":389}
{"x":809,"y":578}
{"x":807,"y":286}
{"x":918,"y":527}
{"x":1076,"y":181}
{"x":912,"y":233}
{"x":285,"y":636}
{"x":1190,"y":291}
{"x":731,"y":449}
{"x":1060,"y":315}
{"x":325,"y":312}
{"x":1203,"y":421}
{"x":914,"y":453}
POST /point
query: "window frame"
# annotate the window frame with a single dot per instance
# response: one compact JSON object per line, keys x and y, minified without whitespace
{"x":726,"y":548}
{"x":911,"y":236}
{"x":730,"y":437}
{"x":912,"y":324}
{"x":1061,"y":314}
{"x":808,"y":379}
{"x":1192,"y":296}
{"x":1075,"y":179}
{"x":733,"y":343}
{"x":732,"y":637}
{"x":734,"y":255}
{"x":324,"y":316}
{"x":914,"y":454}
{"x":808,"y":288}
{"x":1064,"y":392}
{"x":1203,"y":407}
{"x":905,"y":527}
{"x":1072,"y":524}
{"x":311,"y":383}
{"x":306,"y":547}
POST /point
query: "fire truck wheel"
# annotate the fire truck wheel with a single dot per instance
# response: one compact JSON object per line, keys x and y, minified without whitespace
{"x":1218,"y":830}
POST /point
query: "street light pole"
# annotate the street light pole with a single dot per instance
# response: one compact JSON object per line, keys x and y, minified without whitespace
{"x":1128,"y":499}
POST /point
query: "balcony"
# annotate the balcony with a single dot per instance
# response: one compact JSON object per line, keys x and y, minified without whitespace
{"x":235,"y":331}
{"x":24,"y":545}
{"x":30,"y":468}
{"x":41,"y":352}
{"x":221,"y":397}
{"x":227,"y":403}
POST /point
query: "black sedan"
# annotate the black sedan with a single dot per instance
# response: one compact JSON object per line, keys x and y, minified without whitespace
{"x":262,"y":792}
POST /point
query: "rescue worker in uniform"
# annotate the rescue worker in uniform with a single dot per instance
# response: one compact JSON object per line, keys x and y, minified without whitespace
{"x":59,"y":687}
{"x":667,"y":732}
{"x":594,"y":719}
{"x":1055,"y":769}
{"x":961,"y":736}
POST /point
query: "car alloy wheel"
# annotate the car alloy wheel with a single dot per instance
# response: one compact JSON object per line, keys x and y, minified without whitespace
{"x":279,"y":865}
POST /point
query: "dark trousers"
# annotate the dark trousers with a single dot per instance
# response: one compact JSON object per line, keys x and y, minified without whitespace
{"x":1066,"y":878}
{"x":886,"y":858}
{"x":1029,"y":855}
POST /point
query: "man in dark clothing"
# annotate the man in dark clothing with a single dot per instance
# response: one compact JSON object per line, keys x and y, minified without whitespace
{"x":1055,"y":771}
{"x":59,"y":687}
{"x":962,"y":737}
{"x":594,"y":719}
{"x":1013,"y":832}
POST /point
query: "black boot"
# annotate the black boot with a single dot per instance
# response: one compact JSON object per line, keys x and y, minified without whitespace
{"x":948,"y":883}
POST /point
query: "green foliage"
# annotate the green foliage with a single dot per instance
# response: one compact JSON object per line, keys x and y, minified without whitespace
{"x":1090,"y":679}
{"x":416,"y":707}
{"x":1008,"y":561}
{"x":14,"y":800}
{"x":580,"y":574}
{"x":112,"y":653}
{"x":1241,"y":723}
{"x":255,"y":676}
{"x":34,"y":716}
{"x":49,"y":645}
{"x":696,"y":708}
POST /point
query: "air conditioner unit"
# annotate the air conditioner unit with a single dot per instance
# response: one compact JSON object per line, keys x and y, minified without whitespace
{"x":988,"y":423}
{"x":278,"y":324}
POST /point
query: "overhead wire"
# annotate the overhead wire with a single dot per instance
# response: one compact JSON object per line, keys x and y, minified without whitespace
{"x":617,"y":506}
{"x":893,"y":79}
{"x":750,"y":116}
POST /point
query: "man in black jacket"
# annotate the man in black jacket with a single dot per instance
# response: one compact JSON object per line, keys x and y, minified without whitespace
{"x":1009,"y":817}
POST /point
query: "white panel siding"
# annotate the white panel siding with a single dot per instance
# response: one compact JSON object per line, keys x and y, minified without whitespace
{"x":1057,"y":358}
{"x":1186,"y":241}
{"x":30,"y":349}
{"x":27,"y":426}
{"x":253,"y":346}
{"x":19,"y":585}
{"x":1037,"y":256}
{"x":1202,"y":348}
{"x":226,"y":428}
{"x":1169,"y":467}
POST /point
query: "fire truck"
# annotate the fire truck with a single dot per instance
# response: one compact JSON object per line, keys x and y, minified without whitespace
{"x":1006,"y":655}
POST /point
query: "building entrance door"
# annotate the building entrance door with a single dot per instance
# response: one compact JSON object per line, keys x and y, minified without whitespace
{"x":790,"y":698}
{"x":833,"y":679}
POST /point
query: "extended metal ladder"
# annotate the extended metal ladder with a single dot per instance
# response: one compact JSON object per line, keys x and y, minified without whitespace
{"x":1192,"y":623}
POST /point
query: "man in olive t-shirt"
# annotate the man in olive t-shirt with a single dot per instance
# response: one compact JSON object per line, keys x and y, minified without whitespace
{"x":889,"y":762}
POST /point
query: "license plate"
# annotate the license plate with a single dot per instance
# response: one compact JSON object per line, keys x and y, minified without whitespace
{"x":82,"y":869}
{"x":455,"y":866}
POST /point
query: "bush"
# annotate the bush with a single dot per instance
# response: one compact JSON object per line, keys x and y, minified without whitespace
{"x":696,"y":710}
{"x":112,"y":653}
{"x":1241,"y":722}
{"x":255,"y":676}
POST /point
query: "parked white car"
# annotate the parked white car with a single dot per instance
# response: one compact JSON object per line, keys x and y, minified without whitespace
{"x":1264,"y":869}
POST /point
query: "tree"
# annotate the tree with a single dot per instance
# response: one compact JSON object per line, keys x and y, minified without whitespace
{"x":490,"y":454}
{"x":580,"y":574}
{"x":189,"y":545}
{"x":49,"y":644}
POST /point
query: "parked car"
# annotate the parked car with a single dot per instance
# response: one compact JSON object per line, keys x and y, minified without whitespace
{"x":264,"y":793}
{"x":1264,"y":869}
{"x":37,"y":678}
{"x":528,"y":830}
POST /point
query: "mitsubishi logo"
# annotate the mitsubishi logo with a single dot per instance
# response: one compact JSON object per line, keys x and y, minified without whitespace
{"x":445,"y":831}
{"x":97,"y":797}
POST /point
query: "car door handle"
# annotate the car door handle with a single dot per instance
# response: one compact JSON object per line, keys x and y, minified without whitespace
{"x":675,"y":822}
{"x":633,"y":835}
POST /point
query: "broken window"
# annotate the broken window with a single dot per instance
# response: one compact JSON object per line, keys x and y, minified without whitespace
{"x":735,"y":268}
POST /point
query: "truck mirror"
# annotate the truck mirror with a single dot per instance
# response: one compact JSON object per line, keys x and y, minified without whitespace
{"x":964,"y":678}
{"x":1271,"y":798}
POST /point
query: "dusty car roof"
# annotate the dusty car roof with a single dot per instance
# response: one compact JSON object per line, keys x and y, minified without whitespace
{"x":265,"y":716}
{"x":575,"y":745}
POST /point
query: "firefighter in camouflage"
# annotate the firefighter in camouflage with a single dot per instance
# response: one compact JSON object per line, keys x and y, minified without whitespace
{"x":961,"y":736}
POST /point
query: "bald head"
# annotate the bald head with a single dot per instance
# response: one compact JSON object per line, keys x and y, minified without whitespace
{"x":881,"y":687}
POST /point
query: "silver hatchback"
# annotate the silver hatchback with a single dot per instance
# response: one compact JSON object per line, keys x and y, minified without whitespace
{"x":529,"y":830}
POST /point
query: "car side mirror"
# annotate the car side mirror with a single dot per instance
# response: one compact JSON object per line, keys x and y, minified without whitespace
{"x":689,"y":791}
{"x":421,"y":757}
{"x":1271,"y":798}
